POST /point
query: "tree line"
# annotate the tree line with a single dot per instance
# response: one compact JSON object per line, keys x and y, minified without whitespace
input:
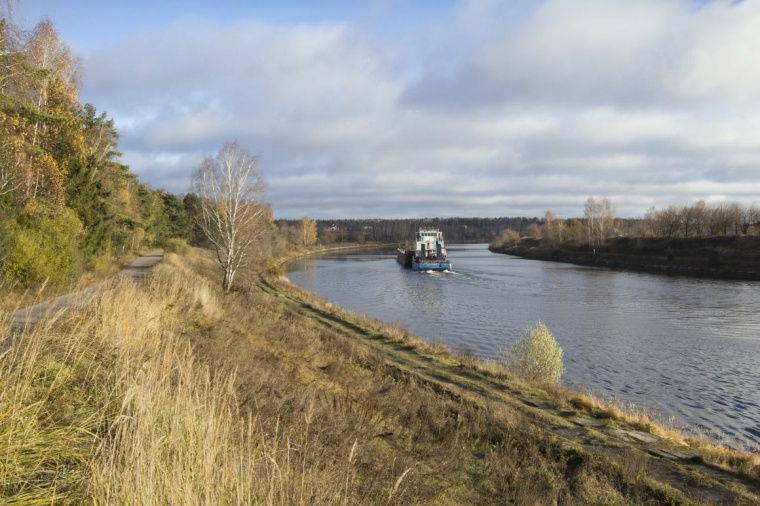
{"x":701,"y":220}
{"x":67,"y":203}
{"x":400,"y":230}
{"x":599,"y":224}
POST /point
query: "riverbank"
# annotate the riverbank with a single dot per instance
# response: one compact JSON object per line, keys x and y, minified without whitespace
{"x":301,"y":252}
{"x":272,"y":395}
{"x":274,"y":266}
{"x":437,"y":427}
{"x":731,"y":258}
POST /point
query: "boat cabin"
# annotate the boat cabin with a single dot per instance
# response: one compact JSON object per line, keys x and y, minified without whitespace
{"x":430,"y":245}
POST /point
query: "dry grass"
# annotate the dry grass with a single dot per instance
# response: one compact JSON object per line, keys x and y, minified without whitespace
{"x":741,"y":462}
{"x":111,"y":406}
{"x":46,"y":416}
{"x":745,"y":463}
{"x":731,"y":459}
{"x":448,"y":450}
{"x":626,"y":412}
{"x":175,"y":438}
{"x":168,"y":392}
{"x":14,"y":297}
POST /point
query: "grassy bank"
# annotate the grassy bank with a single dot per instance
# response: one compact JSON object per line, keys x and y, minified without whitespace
{"x":168,"y":392}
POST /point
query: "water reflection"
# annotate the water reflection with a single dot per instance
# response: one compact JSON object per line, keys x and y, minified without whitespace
{"x":685,"y":347}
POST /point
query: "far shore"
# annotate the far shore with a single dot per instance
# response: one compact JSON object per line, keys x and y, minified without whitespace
{"x":729,"y":258}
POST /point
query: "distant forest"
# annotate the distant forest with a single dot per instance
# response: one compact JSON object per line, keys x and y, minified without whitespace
{"x":597,"y":224}
{"x":455,"y":230}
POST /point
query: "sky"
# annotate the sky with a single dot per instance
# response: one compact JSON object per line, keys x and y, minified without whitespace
{"x":432,"y":108}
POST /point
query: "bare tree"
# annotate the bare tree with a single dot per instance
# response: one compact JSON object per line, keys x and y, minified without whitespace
{"x":668,"y":222}
{"x":752,"y":219}
{"x":591,"y":214}
{"x":702,"y":220}
{"x":555,"y":228}
{"x":688,"y":219}
{"x":231,"y":189}
{"x":600,"y":220}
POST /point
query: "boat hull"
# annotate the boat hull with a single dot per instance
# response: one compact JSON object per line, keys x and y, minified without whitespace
{"x":404,"y":257}
{"x":431,"y":266}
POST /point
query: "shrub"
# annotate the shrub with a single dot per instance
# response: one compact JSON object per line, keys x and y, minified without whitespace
{"x":273,"y":267}
{"x":536,"y":356}
{"x":178,"y":246}
{"x":506,"y":238}
{"x":43,"y":244}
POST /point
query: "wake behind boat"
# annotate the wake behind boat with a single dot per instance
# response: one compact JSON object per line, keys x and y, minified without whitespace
{"x":428,"y":254}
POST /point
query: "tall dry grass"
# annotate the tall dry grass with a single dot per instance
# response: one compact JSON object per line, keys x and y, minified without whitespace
{"x":111,"y":406}
{"x":49,"y":413}
{"x":174,"y":434}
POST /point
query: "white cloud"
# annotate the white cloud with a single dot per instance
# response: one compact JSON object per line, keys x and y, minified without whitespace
{"x":716,"y":52}
{"x":508,"y":109}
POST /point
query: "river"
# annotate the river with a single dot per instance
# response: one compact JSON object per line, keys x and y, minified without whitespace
{"x":688,"y":349}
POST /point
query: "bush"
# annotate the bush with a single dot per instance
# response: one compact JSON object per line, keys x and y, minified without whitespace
{"x":536,"y":356}
{"x":43,"y":245}
{"x":178,"y":246}
{"x":506,"y":238}
{"x":273,"y":267}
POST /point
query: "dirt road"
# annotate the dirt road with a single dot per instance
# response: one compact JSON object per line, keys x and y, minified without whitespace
{"x":52,"y":308}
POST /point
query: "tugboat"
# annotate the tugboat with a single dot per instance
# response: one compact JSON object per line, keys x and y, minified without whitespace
{"x":429,"y":253}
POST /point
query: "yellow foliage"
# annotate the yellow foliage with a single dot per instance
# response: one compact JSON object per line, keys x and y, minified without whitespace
{"x":308,"y":231}
{"x":536,"y":356}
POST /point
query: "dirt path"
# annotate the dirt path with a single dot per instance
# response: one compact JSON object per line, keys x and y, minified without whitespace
{"x":668,"y":464}
{"x":32,"y":315}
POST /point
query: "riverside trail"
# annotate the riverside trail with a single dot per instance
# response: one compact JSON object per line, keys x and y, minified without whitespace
{"x":53,"y":308}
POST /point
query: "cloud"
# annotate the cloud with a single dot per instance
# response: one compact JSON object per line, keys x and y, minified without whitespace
{"x":493,"y":109}
{"x":716,"y":55}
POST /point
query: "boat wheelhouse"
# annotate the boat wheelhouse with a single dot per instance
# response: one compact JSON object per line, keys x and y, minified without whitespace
{"x":429,"y":253}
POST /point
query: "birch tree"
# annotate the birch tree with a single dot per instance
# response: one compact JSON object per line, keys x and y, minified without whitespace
{"x":231,"y":189}
{"x":600,"y":220}
{"x":591,"y":214}
{"x":555,"y":228}
{"x":12,"y":65}
{"x":308,"y":231}
{"x":53,"y":60}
